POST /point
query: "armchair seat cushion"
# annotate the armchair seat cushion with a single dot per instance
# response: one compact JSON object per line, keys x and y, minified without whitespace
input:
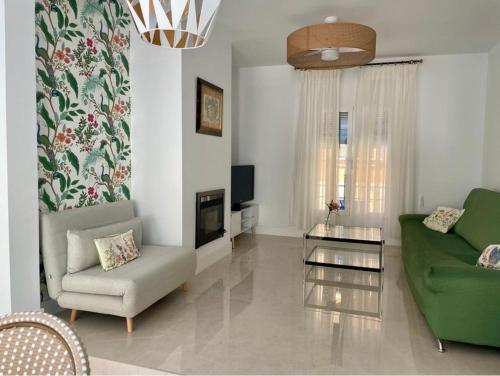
{"x":139,"y":283}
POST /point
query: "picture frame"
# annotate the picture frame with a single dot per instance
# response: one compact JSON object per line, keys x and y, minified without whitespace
{"x":209,"y":108}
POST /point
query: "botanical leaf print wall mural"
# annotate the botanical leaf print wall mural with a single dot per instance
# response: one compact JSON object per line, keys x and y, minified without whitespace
{"x":83,"y":102}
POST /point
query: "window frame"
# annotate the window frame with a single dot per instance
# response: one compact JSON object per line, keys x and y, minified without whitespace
{"x":348,"y":161}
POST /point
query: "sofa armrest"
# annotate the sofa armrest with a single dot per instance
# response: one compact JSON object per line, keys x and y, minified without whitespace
{"x":463,"y":278}
{"x":411,"y":217}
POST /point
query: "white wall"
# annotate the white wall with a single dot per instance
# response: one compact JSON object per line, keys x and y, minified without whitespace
{"x":450,"y":133}
{"x":491,"y":163}
{"x":170,"y":161}
{"x":235,"y":110}
{"x":156,"y":135}
{"x":265,"y":138}
{"x":206,"y":159}
{"x":451,"y":102}
{"x":5,"y":303}
{"x":19,"y":258}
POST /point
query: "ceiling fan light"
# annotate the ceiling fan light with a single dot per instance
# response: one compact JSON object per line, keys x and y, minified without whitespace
{"x":330,"y":54}
{"x":331,"y":19}
{"x":179,"y":24}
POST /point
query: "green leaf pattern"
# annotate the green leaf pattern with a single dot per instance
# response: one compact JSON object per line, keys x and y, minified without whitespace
{"x":83,"y":102}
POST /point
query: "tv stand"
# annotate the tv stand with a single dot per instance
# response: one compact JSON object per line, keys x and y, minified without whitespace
{"x":243,"y":220}
{"x":239,"y":207}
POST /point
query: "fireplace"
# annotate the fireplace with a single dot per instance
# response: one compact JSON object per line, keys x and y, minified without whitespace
{"x":209,"y":217}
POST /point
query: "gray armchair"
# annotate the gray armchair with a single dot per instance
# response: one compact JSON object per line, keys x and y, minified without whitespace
{"x":125,"y":291}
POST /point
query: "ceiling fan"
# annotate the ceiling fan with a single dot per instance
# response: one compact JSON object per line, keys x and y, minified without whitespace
{"x":332,"y":44}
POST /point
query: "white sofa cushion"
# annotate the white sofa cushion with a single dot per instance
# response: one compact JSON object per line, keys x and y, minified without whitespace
{"x":54,"y":227}
{"x":82,"y":251}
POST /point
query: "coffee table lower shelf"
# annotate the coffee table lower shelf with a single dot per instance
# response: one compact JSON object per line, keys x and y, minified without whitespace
{"x":343,"y":258}
{"x":343,"y":291}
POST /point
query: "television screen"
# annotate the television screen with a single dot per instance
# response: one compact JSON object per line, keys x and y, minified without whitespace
{"x":242,"y":184}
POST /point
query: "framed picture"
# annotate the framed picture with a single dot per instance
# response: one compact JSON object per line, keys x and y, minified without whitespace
{"x":209,"y":108}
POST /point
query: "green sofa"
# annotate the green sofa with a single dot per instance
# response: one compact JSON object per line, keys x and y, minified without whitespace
{"x":461,"y":302}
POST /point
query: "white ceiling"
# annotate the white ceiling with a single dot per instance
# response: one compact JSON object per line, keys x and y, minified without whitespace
{"x":259,"y":28}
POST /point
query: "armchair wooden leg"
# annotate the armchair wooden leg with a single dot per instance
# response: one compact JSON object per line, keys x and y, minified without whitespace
{"x":130,"y":324}
{"x":184,"y":286}
{"x":74,"y":315}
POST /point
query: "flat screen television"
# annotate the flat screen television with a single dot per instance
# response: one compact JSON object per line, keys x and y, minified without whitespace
{"x":242,"y":185}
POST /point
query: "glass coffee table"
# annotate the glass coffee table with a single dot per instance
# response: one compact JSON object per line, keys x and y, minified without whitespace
{"x":343,"y":268}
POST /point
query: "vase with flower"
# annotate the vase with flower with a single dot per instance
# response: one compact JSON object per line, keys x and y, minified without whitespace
{"x":333,"y":207}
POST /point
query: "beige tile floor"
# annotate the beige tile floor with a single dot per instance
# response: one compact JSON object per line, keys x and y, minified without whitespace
{"x":246,"y":315}
{"x":100,"y":366}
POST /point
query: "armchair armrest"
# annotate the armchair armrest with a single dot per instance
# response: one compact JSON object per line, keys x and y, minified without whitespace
{"x":443,"y":278}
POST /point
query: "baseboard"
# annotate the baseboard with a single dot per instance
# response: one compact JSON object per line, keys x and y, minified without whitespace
{"x":211,"y":253}
{"x":289,"y":231}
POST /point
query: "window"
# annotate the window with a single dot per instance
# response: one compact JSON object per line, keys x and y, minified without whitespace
{"x":342,"y":159}
{"x":327,"y":165}
{"x":361,"y":178}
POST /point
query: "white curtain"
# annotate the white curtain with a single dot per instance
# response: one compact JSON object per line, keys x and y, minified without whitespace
{"x":314,"y":172}
{"x":382,"y":148}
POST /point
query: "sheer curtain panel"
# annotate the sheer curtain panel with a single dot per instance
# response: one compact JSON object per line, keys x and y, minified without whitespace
{"x":383,"y":148}
{"x":314,"y":173}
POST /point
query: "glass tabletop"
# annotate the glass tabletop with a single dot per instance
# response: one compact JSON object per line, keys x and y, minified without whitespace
{"x":366,"y":235}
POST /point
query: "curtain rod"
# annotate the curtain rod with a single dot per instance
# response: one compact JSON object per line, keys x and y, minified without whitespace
{"x":420,"y":61}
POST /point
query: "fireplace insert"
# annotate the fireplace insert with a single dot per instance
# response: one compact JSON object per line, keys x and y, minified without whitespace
{"x":209,"y":217}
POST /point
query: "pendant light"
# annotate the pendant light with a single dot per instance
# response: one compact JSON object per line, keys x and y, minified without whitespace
{"x":180,"y":24}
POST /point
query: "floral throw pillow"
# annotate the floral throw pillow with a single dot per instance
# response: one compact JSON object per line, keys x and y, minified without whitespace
{"x":116,"y":250}
{"x":490,"y":258}
{"x":443,"y":219}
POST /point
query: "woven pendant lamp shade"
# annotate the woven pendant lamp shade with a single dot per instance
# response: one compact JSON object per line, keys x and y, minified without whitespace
{"x":181,"y":24}
{"x":354,"y":43}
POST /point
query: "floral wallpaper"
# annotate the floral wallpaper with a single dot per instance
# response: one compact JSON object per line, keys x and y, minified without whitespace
{"x":83,"y":102}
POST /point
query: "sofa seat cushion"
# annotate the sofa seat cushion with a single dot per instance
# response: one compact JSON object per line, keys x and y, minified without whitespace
{"x":156,"y":263}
